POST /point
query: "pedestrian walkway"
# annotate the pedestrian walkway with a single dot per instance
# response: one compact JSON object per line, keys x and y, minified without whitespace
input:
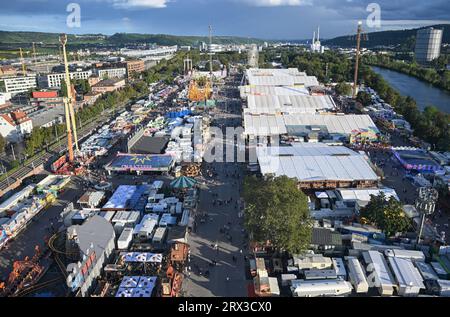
{"x":220,"y":239}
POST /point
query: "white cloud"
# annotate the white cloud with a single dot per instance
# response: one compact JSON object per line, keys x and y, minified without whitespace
{"x":129,"y":4}
{"x":277,"y":3}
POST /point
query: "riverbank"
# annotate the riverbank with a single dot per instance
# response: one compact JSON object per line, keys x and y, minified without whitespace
{"x":438,"y":79}
{"x":422,"y":92}
{"x":431,"y":124}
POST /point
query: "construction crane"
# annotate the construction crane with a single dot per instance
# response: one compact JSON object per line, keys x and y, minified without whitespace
{"x":68,"y":104}
{"x":22,"y":61}
{"x":34,"y":53}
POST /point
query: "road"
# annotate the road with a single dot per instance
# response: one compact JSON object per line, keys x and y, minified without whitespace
{"x":227,"y":278}
{"x":38,"y":229}
{"x":406,"y":190}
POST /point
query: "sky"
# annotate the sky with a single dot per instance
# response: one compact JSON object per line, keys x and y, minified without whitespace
{"x":265,"y":19}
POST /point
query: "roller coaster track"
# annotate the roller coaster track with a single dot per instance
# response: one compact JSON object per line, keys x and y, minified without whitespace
{"x":37,"y":287}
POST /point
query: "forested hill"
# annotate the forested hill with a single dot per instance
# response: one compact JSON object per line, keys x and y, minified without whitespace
{"x":404,"y":38}
{"x":14,"y":37}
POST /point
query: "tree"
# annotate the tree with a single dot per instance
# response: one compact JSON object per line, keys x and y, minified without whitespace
{"x":14,"y":164}
{"x":343,"y":89}
{"x":2,"y":144}
{"x":386,"y":214}
{"x":277,"y":211}
{"x":364,"y":98}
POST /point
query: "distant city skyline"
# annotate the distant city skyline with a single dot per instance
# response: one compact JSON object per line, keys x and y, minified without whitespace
{"x":264,"y":19}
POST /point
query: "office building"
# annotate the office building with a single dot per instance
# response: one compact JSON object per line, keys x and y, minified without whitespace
{"x":107,"y":73}
{"x":54,"y":80}
{"x":137,"y":66}
{"x":19,"y":84}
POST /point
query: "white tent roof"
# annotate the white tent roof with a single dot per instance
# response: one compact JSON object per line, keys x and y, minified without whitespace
{"x":273,"y":91}
{"x":275,"y":124}
{"x":279,"y":77}
{"x":289,"y":104}
{"x":364,"y":194}
{"x":315,"y":162}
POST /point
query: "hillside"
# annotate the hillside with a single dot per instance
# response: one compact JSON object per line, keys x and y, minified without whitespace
{"x":7,"y":37}
{"x":13,"y":38}
{"x":404,"y":38}
{"x":164,"y":39}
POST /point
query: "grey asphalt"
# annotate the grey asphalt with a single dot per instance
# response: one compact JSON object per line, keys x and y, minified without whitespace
{"x":37,"y":231}
{"x":406,"y":190}
{"x":228,"y":277}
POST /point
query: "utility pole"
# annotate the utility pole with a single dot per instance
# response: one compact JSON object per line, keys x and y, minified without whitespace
{"x":358,"y":47}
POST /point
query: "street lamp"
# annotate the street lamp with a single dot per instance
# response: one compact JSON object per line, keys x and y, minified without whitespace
{"x":425,"y":205}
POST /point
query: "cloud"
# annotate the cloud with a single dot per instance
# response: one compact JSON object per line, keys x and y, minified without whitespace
{"x":131,"y":4}
{"x":277,"y":3}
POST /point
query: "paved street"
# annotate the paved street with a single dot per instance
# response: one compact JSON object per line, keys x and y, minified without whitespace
{"x":406,"y":190}
{"x":36,"y":232}
{"x":227,"y":278}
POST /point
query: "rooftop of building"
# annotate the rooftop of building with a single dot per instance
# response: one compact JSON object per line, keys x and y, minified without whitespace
{"x":108,"y":82}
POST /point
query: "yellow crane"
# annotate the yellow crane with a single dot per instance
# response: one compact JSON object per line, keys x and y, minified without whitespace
{"x":22,"y":61}
{"x":34,"y":53}
{"x":68,"y":103}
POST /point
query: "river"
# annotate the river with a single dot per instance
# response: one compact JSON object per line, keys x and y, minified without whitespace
{"x":424,"y":94}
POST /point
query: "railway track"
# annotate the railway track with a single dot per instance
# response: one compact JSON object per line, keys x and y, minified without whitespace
{"x":43,"y":158}
{"x":37,"y":287}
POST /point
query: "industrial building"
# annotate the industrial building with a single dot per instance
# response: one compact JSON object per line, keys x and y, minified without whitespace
{"x":318,"y":166}
{"x":428,"y":44}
